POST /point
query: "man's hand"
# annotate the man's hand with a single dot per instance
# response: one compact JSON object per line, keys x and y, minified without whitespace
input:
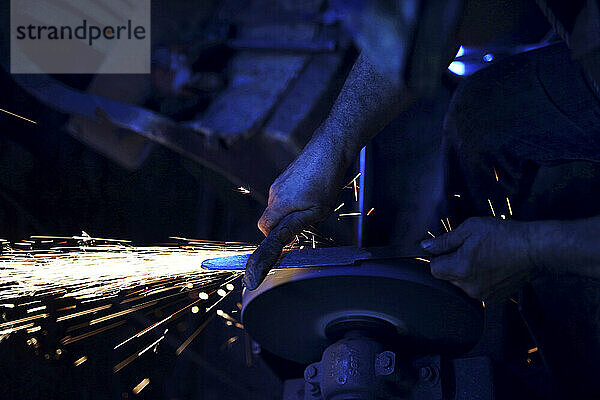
{"x":307,"y":191}
{"x":487,"y":258}
{"x":303,"y":195}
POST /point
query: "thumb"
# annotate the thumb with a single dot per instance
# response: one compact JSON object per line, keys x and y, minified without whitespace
{"x":446,"y":243}
{"x":269,"y":251}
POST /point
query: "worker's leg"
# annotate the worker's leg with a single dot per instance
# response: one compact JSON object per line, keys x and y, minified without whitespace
{"x":520,"y":118}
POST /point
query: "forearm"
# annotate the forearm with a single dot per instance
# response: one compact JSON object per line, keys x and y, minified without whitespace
{"x":567,"y":246}
{"x":366,"y":104}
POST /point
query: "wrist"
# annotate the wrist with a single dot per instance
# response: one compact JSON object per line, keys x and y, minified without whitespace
{"x":543,"y":243}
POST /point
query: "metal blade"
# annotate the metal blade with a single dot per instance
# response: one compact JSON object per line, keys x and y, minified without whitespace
{"x":331,"y":256}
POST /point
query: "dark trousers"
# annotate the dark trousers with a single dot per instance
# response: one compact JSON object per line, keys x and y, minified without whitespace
{"x":528,"y":129}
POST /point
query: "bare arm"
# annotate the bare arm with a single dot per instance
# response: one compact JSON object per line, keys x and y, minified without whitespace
{"x":307,"y":190}
{"x":366,"y":104}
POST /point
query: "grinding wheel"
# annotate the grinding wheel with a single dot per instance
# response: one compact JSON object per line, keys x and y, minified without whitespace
{"x":289,"y":312}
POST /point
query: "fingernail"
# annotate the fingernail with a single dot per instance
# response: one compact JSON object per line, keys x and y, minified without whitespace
{"x":249,"y":282}
{"x":284,"y":235}
{"x":427,"y":243}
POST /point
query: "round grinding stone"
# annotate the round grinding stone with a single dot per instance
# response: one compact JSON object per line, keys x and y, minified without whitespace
{"x":287,"y":315}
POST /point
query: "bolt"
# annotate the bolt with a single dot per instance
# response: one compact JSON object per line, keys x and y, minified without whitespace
{"x":387,"y":362}
{"x":426,"y":373}
{"x":384,"y":363}
{"x":310,"y":372}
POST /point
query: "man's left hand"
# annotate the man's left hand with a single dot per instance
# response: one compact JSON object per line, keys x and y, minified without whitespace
{"x":488,"y":258}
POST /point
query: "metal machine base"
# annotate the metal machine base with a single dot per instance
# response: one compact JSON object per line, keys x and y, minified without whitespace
{"x":436,"y":379}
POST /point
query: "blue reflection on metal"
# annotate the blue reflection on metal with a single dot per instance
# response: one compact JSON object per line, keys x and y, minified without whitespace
{"x":361,"y":196}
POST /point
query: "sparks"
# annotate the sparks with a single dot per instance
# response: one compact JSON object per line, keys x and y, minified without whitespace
{"x":496,"y":175}
{"x":444,"y":225}
{"x":338,"y":207}
{"x":352,"y":214}
{"x":242,"y":190}
{"x":509,"y":207}
{"x":226,"y":316}
{"x":352,"y":182}
{"x":35,"y":309}
{"x":80,"y":361}
{"x":85,"y":281}
{"x":185,"y":344}
{"x":153,"y":344}
{"x":140,"y":386}
{"x":491,"y":207}
{"x":18,"y":116}
{"x":68,"y":339}
{"x":86,"y":273}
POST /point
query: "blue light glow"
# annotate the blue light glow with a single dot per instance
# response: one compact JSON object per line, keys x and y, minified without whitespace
{"x":461,"y":52}
{"x":488,"y":57}
{"x":457,"y":67}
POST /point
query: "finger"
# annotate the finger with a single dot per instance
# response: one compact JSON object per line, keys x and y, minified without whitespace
{"x":269,"y":251}
{"x":269,"y":219}
{"x":448,"y":267}
{"x":448,"y":242}
{"x":261,"y":261}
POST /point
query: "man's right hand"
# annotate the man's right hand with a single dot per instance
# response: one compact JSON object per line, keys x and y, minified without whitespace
{"x":303,"y":195}
{"x":307,"y":191}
